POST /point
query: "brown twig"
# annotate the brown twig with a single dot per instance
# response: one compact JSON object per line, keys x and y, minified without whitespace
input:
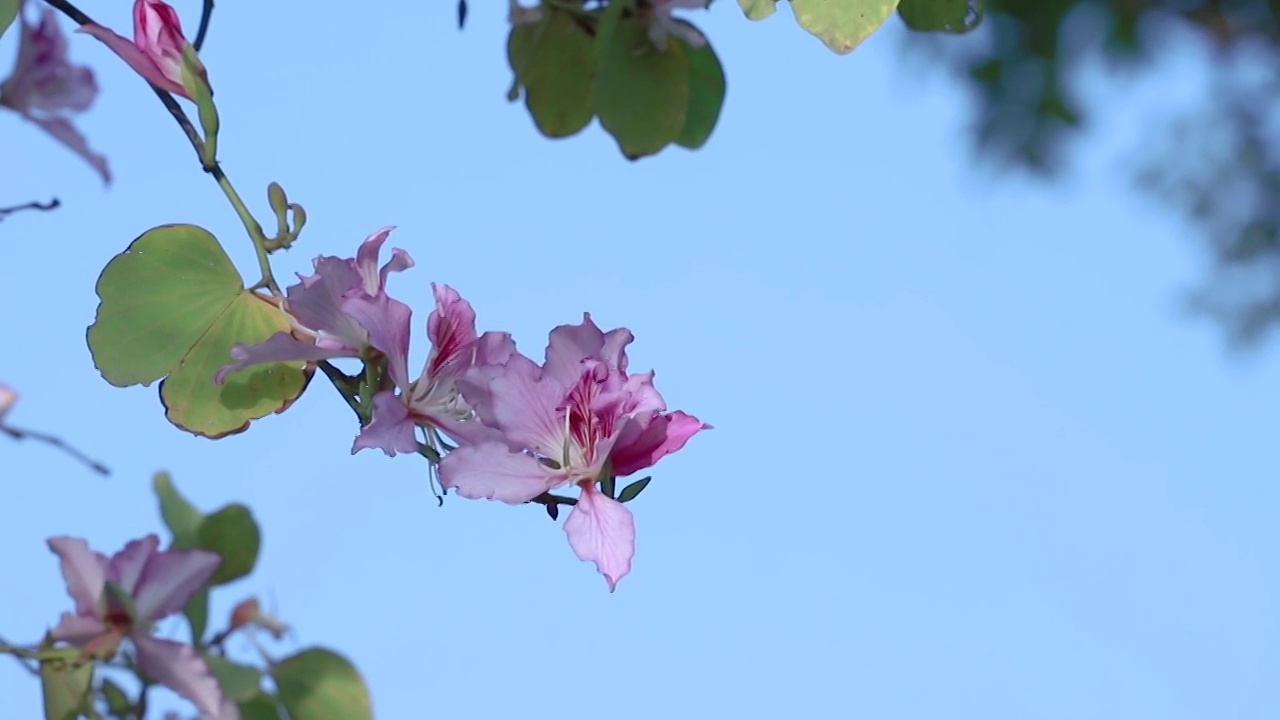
{"x":59,"y":443}
{"x":35,"y":205}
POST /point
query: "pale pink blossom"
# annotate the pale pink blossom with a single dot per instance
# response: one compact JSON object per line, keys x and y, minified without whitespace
{"x":8,"y":398}
{"x":154,"y":585}
{"x":564,"y":423}
{"x":157,"y":47}
{"x":45,"y":86}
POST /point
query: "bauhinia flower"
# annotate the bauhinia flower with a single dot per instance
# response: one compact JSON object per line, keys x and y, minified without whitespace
{"x":45,"y":86}
{"x":314,"y":307}
{"x":562,"y":422}
{"x":8,"y":398}
{"x":124,"y":596}
{"x":432,"y":400}
{"x":662,"y":23}
{"x":157,"y":49}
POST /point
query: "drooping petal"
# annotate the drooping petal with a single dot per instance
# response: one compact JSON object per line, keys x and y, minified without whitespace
{"x":135,"y":58}
{"x":64,"y":132}
{"x":170,"y":579}
{"x":490,"y":471}
{"x":77,"y":629}
{"x":602,"y":531}
{"x":125,"y":568}
{"x":280,"y":347}
{"x":391,"y":430}
{"x":639,"y":446}
{"x":179,"y":668}
{"x":523,"y":404}
{"x":84,"y":571}
{"x":387,"y":323}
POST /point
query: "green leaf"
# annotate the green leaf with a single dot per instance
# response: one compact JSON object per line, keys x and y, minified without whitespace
{"x":181,"y":517}
{"x":949,"y":16}
{"x":706,"y":95}
{"x":842,"y":25}
{"x":318,"y":684}
{"x":240,"y":683}
{"x":630,"y":492}
{"x":173,"y":305}
{"x":68,"y":690}
{"x":261,"y":707}
{"x":758,"y":9}
{"x":8,"y":13}
{"x":197,"y":612}
{"x":233,"y":534}
{"x":557,"y":72}
{"x":641,"y":92}
{"x":117,"y":701}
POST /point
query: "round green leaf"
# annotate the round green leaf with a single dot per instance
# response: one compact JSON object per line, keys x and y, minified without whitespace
{"x":842,"y":25}
{"x":233,"y":534}
{"x":559,"y":74}
{"x":758,"y":9}
{"x":194,"y":403}
{"x":949,"y":16}
{"x":181,"y":517}
{"x":641,"y":92}
{"x":520,"y":44}
{"x":157,"y":298}
{"x":238,"y":682}
{"x":706,"y":95}
{"x":319,"y":684}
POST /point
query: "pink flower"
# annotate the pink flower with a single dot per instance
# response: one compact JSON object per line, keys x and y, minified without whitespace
{"x":157,"y":47}
{"x":562,"y":422}
{"x":8,"y":398}
{"x":315,"y":308}
{"x":432,"y":400}
{"x":123,"y":597}
{"x":45,"y":86}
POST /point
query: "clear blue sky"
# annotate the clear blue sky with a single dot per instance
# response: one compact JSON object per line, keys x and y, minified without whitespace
{"x":970,"y":458}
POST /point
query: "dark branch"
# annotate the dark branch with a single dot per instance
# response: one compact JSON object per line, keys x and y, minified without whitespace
{"x":21,"y":434}
{"x":52,"y":204}
{"x":205,"y":13}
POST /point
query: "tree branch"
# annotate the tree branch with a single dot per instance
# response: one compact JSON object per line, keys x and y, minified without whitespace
{"x":206,"y":12}
{"x":35,"y":205}
{"x":21,"y":434}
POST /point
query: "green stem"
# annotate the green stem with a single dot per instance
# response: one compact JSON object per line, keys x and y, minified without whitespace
{"x":252,"y":227}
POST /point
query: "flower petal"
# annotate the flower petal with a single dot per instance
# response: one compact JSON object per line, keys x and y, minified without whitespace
{"x":603,"y":531}
{"x":77,"y":629}
{"x":524,"y":403}
{"x":387,"y":323}
{"x":135,"y":58}
{"x":316,"y":302}
{"x":125,"y":568}
{"x":490,"y":471}
{"x":640,"y":446}
{"x":179,"y":668}
{"x":8,"y":398}
{"x":281,"y":347}
{"x":170,"y":579}
{"x":391,"y":430}
{"x":84,"y":571}
{"x":568,"y":346}
{"x":452,"y":330}
{"x":64,"y":132}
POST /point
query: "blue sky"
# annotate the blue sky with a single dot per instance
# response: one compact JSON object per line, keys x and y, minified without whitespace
{"x":970,"y":457}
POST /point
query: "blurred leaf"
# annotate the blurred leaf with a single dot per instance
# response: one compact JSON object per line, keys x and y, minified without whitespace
{"x":118,"y":703}
{"x":630,"y":492}
{"x":173,"y":305}
{"x":319,"y":684}
{"x":641,"y":92}
{"x":949,"y":16}
{"x":197,"y":612}
{"x":706,"y":96}
{"x":557,"y":73}
{"x":758,"y":9}
{"x":181,"y":517}
{"x":260,"y":707}
{"x":233,"y":534}
{"x":68,"y":690}
{"x":8,"y":12}
{"x":240,"y":683}
{"x":842,"y":25}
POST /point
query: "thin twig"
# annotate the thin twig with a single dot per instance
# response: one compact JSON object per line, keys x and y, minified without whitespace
{"x":35,"y":205}
{"x":21,"y":434}
{"x":206,"y":12}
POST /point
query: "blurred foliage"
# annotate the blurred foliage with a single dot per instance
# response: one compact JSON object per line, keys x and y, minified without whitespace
{"x":1219,"y":166}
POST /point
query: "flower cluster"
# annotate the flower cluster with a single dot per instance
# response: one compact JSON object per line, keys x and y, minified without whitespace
{"x":502,"y":426}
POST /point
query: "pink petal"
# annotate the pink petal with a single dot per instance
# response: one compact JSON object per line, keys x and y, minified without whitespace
{"x":316,"y":302}
{"x":228,"y":711}
{"x":77,"y":629}
{"x":523,"y":405}
{"x":136,"y":59}
{"x":84,"y":571}
{"x":179,"y":668}
{"x":391,"y":430}
{"x":639,"y":446}
{"x":126,"y":567}
{"x":603,"y":531}
{"x":490,"y":471}
{"x":568,"y":346}
{"x":170,"y":579}
{"x":281,"y":347}
{"x":8,"y":398}
{"x":387,"y":322}
{"x":372,"y":280}
{"x":452,"y":330}
{"x":64,"y":132}
{"x":157,"y":32}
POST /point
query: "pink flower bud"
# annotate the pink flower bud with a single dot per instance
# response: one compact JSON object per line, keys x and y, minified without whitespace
{"x":157,"y":47}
